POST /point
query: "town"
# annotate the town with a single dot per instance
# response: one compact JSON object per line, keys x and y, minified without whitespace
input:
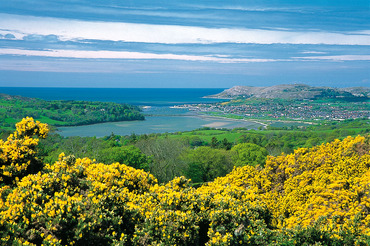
{"x":308,"y":110}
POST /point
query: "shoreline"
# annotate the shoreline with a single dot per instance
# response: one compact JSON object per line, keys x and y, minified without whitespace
{"x":231,"y":119}
{"x":221,"y":98}
{"x":268,"y":122}
{"x":160,"y":124}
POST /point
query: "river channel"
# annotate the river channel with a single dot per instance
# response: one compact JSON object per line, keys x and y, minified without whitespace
{"x":157,"y":120}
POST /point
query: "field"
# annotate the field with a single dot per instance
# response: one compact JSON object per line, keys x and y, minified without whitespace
{"x":339,"y":129}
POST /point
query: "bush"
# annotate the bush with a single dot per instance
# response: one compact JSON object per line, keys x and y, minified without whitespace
{"x":317,"y":196}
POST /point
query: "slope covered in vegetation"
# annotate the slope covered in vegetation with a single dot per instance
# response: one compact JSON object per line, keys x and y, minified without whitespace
{"x":294,"y":91}
{"x":63,"y":113}
{"x":313,"y":196}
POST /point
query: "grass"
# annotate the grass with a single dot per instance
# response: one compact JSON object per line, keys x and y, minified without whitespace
{"x":207,"y":135}
{"x":354,"y":127}
{"x":49,"y":121}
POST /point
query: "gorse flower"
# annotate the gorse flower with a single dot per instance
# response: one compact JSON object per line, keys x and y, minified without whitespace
{"x":320,"y":194}
{"x":18,"y":152}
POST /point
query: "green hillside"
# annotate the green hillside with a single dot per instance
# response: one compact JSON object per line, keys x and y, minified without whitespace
{"x":63,"y":113}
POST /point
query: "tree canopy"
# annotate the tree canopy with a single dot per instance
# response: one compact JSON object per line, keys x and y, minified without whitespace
{"x":314,"y":196}
{"x":248,"y":154}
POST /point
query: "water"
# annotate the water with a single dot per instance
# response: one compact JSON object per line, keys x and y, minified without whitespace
{"x":154,"y":124}
{"x":160,"y":116}
{"x":136,"y":96}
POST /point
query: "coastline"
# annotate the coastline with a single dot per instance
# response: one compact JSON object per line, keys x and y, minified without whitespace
{"x":204,"y":116}
{"x":157,"y":124}
{"x":265,"y":123}
{"x":221,"y":98}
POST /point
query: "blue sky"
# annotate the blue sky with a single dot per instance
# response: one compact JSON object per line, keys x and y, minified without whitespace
{"x":114,"y":43}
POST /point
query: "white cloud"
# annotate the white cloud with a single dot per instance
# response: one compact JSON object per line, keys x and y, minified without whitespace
{"x":313,"y":52}
{"x":249,"y":8}
{"x":337,"y":58}
{"x":168,"y":34}
{"x":104,"y":54}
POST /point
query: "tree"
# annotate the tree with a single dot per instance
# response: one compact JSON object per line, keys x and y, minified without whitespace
{"x":248,"y":154}
{"x":225,"y":144}
{"x":195,"y":141}
{"x":129,"y":155}
{"x":214,"y":142}
{"x":205,"y":164}
{"x":165,"y":153}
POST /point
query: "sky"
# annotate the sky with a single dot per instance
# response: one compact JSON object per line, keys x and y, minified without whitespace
{"x":184,"y":44}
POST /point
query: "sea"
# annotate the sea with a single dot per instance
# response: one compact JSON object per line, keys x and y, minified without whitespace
{"x":160,"y":106}
{"x":135,"y":96}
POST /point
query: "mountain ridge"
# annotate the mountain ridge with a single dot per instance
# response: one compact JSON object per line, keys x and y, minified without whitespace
{"x":293,"y":91}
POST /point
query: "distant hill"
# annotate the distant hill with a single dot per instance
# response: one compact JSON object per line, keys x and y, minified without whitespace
{"x":294,"y":91}
{"x":11,"y":97}
{"x":63,"y":113}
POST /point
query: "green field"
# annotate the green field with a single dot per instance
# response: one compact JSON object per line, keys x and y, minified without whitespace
{"x":277,"y":137}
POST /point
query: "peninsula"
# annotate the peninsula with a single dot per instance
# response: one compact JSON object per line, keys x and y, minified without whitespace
{"x":63,"y":113}
{"x":295,"y":92}
{"x":294,"y":102}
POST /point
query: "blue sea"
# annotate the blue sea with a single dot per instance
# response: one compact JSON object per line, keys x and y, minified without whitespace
{"x":160,"y":116}
{"x":136,"y":96}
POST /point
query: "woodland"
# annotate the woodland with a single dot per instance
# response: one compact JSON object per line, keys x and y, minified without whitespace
{"x":63,"y":113}
{"x":242,"y":194}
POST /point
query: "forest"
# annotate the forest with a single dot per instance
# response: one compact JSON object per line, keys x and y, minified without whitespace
{"x":225,"y":193}
{"x":217,"y":151}
{"x":63,"y":113}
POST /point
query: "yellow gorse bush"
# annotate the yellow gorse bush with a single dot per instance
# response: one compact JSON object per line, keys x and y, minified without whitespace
{"x":81,"y":202}
{"x":74,"y":202}
{"x":330,"y":180}
{"x":18,"y":151}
